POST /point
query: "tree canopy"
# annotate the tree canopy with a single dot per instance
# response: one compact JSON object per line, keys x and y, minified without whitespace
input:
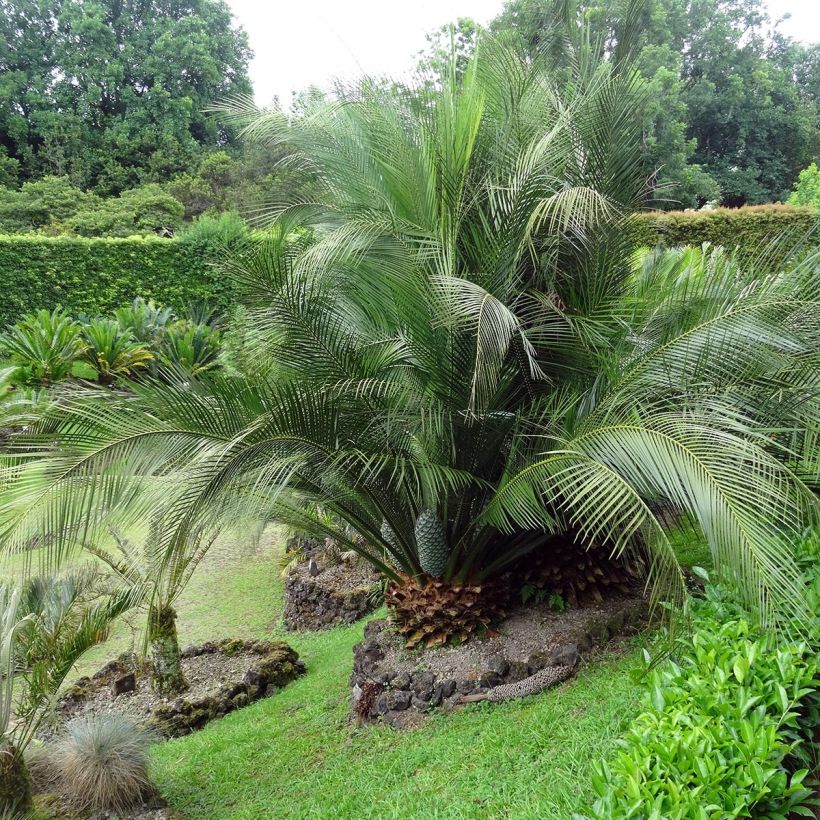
{"x":114,"y":93}
{"x":733,"y":109}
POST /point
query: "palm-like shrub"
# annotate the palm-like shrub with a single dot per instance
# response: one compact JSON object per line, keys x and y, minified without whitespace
{"x":44,"y":345}
{"x":144,"y":320}
{"x":163,"y":575}
{"x":190,"y":348}
{"x":113,"y":351}
{"x":46,"y":625}
{"x":465,"y":357}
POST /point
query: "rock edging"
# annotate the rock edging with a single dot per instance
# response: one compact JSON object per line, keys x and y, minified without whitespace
{"x":401,"y":696}
{"x":313,"y":605}
{"x":277,"y":666}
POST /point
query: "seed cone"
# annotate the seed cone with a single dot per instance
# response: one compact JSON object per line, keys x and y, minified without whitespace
{"x":431,"y":543}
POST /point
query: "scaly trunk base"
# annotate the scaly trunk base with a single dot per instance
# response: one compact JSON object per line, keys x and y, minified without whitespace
{"x":166,"y":677}
{"x":433,"y":612}
{"x":15,"y":783}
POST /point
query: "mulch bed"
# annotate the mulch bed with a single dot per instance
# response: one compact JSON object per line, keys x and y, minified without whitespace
{"x":223,"y":676}
{"x":399,"y":686}
{"x":320,"y":594}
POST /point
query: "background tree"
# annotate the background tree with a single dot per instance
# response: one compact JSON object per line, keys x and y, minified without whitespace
{"x":807,"y":189}
{"x":733,"y":103}
{"x":113,"y":93}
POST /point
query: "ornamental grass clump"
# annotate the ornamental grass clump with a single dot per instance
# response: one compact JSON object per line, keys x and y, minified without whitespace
{"x":101,"y":763}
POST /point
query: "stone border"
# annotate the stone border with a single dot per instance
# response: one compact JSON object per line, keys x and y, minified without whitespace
{"x":402,"y":698}
{"x":278,"y":665}
{"x":312,"y":606}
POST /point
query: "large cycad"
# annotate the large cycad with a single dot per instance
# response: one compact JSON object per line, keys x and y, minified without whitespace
{"x":459,"y":355}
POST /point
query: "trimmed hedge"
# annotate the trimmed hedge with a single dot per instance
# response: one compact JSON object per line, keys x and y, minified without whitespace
{"x":95,"y":276}
{"x":752,"y":228}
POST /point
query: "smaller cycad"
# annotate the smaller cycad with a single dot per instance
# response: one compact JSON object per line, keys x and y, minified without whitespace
{"x":112,"y":351}
{"x":431,"y":543}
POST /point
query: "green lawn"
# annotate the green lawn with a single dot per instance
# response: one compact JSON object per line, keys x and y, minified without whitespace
{"x":297,"y":755}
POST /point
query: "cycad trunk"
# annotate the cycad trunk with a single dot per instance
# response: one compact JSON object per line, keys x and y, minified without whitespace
{"x":167,"y":677}
{"x":15,"y":783}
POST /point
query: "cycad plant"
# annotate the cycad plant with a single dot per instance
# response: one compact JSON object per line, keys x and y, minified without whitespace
{"x":190,"y":348}
{"x":466,"y":359}
{"x":44,"y":345}
{"x":113,"y":351}
{"x":144,"y":320}
{"x":46,"y":625}
{"x":163,"y":575}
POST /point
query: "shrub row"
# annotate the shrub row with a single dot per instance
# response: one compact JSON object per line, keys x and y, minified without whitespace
{"x":726,"y":728}
{"x":94,"y":276}
{"x":751,"y":229}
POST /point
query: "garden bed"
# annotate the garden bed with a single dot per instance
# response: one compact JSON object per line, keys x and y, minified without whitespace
{"x":321,"y":595}
{"x":399,"y":686}
{"x":223,"y":676}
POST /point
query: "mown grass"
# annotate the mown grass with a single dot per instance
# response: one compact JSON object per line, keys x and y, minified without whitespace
{"x":298,"y":755}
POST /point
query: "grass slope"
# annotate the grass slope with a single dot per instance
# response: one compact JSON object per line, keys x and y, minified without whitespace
{"x":297,"y":755}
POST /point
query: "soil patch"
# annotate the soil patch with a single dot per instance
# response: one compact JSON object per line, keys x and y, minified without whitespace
{"x":389,"y":680}
{"x":223,"y":676}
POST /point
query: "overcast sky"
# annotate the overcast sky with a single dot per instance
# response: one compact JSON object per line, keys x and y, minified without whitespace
{"x":311,"y":42}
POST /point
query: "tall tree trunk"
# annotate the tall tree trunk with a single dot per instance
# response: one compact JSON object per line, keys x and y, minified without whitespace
{"x":15,"y":782}
{"x":167,"y":677}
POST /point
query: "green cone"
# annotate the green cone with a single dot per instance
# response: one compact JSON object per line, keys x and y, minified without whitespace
{"x":390,"y":538}
{"x":431,"y":543}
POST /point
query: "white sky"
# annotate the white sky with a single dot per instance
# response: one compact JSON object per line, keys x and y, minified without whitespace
{"x":312,"y":42}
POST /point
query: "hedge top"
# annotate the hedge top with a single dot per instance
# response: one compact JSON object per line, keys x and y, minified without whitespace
{"x":96,"y":275}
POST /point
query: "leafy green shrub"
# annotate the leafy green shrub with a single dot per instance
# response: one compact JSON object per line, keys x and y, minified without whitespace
{"x":217,"y":234}
{"x":45,"y":204}
{"x":752,"y":229}
{"x":44,"y":345}
{"x":721,"y":732}
{"x":96,"y":276}
{"x":807,"y":190}
{"x":113,"y":351}
{"x":145,"y":210}
{"x":102,"y":763}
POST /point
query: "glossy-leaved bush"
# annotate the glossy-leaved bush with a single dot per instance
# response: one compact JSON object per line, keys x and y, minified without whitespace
{"x":726,"y":727}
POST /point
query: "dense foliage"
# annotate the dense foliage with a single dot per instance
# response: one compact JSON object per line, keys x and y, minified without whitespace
{"x":807,"y":190}
{"x":463,"y":338}
{"x":94,"y":276}
{"x":762,"y":232}
{"x":114,"y":94}
{"x":732,"y":108}
{"x":728,"y":724}
{"x":141,"y":338}
{"x":53,"y":206}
